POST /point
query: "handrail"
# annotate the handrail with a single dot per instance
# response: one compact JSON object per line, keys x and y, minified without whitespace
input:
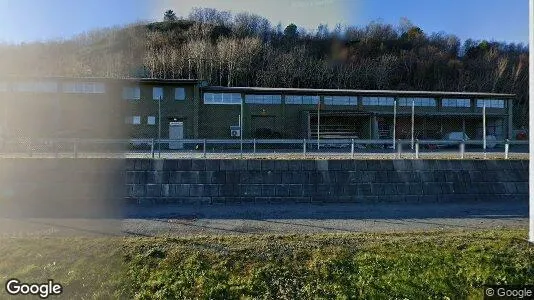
{"x":261,"y":141}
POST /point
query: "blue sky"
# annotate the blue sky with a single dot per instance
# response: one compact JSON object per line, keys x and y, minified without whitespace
{"x":500,"y":20}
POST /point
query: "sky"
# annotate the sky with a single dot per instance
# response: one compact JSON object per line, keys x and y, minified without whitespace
{"x":40,"y":20}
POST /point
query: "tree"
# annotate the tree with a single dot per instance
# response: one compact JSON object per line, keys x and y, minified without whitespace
{"x":246,"y":50}
{"x":169,"y":16}
{"x":291,"y":31}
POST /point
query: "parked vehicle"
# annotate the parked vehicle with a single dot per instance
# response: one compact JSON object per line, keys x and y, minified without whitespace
{"x":458,"y":136}
{"x":491,"y":141}
{"x":455,"y":136}
{"x":520,"y":134}
{"x":342,"y":145}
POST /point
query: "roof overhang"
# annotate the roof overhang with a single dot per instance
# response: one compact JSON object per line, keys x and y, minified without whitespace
{"x":341,"y":92}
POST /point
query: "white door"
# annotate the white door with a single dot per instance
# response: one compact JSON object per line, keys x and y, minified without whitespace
{"x":176,"y":132}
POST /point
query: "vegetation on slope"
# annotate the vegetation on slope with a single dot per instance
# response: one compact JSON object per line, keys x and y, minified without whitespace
{"x":434,"y":265}
{"x":247,"y":50}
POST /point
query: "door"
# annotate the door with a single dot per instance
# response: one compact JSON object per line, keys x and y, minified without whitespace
{"x":176,"y":132}
{"x":264,"y":127}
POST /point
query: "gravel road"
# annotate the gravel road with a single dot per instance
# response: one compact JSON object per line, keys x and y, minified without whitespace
{"x":168,"y":220}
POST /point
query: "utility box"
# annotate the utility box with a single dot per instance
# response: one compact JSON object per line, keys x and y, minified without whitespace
{"x":235,"y":131}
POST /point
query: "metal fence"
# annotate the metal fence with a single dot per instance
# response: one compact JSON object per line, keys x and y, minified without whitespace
{"x":327,"y":125}
{"x":265,"y":148}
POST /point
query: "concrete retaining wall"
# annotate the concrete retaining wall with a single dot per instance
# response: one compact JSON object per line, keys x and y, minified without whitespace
{"x":322,"y":181}
{"x":47,"y":187}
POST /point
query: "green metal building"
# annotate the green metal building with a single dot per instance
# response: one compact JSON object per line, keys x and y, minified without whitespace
{"x":56,"y":107}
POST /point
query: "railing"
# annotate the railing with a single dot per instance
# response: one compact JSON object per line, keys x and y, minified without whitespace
{"x":261,"y":148}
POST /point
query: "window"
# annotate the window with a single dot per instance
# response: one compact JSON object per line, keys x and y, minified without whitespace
{"x":36,"y":86}
{"x":491,"y":103}
{"x":84,"y":87}
{"x":378,"y":101}
{"x":429,"y":102}
{"x":179,"y":94}
{"x":299,"y":99}
{"x":456,"y":103}
{"x":131,"y":93}
{"x":263,"y":99}
{"x":151,"y":120}
{"x":340,"y":100}
{"x":135,"y":120}
{"x":157,"y":93}
{"x":222,"y":98}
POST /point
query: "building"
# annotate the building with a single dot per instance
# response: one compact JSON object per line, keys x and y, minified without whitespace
{"x":59,"y":107}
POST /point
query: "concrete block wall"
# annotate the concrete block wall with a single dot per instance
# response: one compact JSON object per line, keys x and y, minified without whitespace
{"x":324,"y":181}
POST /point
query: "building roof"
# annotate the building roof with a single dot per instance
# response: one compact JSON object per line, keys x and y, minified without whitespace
{"x":96,"y":78}
{"x":257,"y":90}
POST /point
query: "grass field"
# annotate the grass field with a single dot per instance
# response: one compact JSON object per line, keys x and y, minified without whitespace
{"x":438,"y":265}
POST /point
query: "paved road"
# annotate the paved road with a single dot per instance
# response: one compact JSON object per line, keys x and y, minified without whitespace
{"x":279,"y":219}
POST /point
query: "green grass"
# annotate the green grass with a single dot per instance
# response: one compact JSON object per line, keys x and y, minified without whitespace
{"x":436,"y":265}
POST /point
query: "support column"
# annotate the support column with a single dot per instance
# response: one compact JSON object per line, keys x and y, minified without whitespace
{"x":309,"y":126}
{"x":370,"y":127}
{"x":196,"y":109}
{"x":242,"y":117}
{"x":375,"y":128}
{"x":510,"y":121}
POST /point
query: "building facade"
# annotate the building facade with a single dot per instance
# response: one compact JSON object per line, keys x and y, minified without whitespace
{"x":59,"y":107}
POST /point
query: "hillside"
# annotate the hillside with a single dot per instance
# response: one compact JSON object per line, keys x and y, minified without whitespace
{"x":246,"y":50}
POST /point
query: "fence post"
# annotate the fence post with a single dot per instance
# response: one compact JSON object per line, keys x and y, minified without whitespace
{"x":75,"y":148}
{"x":304,"y":147}
{"x":204,"y":149}
{"x":484,"y":127}
{"x":152,"y":148}
{"x":506,"y":148}
{"x":417,"y":149}
{"x":394,"y":121}
{"x":241,"y":149}
{"x":159,"y":147}
{"x":352,"y":149}
{"x":462,"y":149}
{"x":254,"y":146}
{"x":399,"y":148}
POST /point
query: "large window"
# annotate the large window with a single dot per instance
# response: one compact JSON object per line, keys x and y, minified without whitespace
{"x":491,"y":103}
{"x":378,"y":101}
{"x":157,"y":93}
{"x":179,"y":94}
{"x":84,"y":87}
{"x":131,"y":93}
{"x":263,"y":99}
{"x":222,"y":98}
{"x":456,"y":103}
{"x":35,"y":86}
{"x":299,"y":99}
{"x":340,"y":100}
{"x":429,"y":102}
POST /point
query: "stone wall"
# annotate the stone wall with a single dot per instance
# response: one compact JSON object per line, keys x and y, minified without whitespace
{"x":322,"y":181}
